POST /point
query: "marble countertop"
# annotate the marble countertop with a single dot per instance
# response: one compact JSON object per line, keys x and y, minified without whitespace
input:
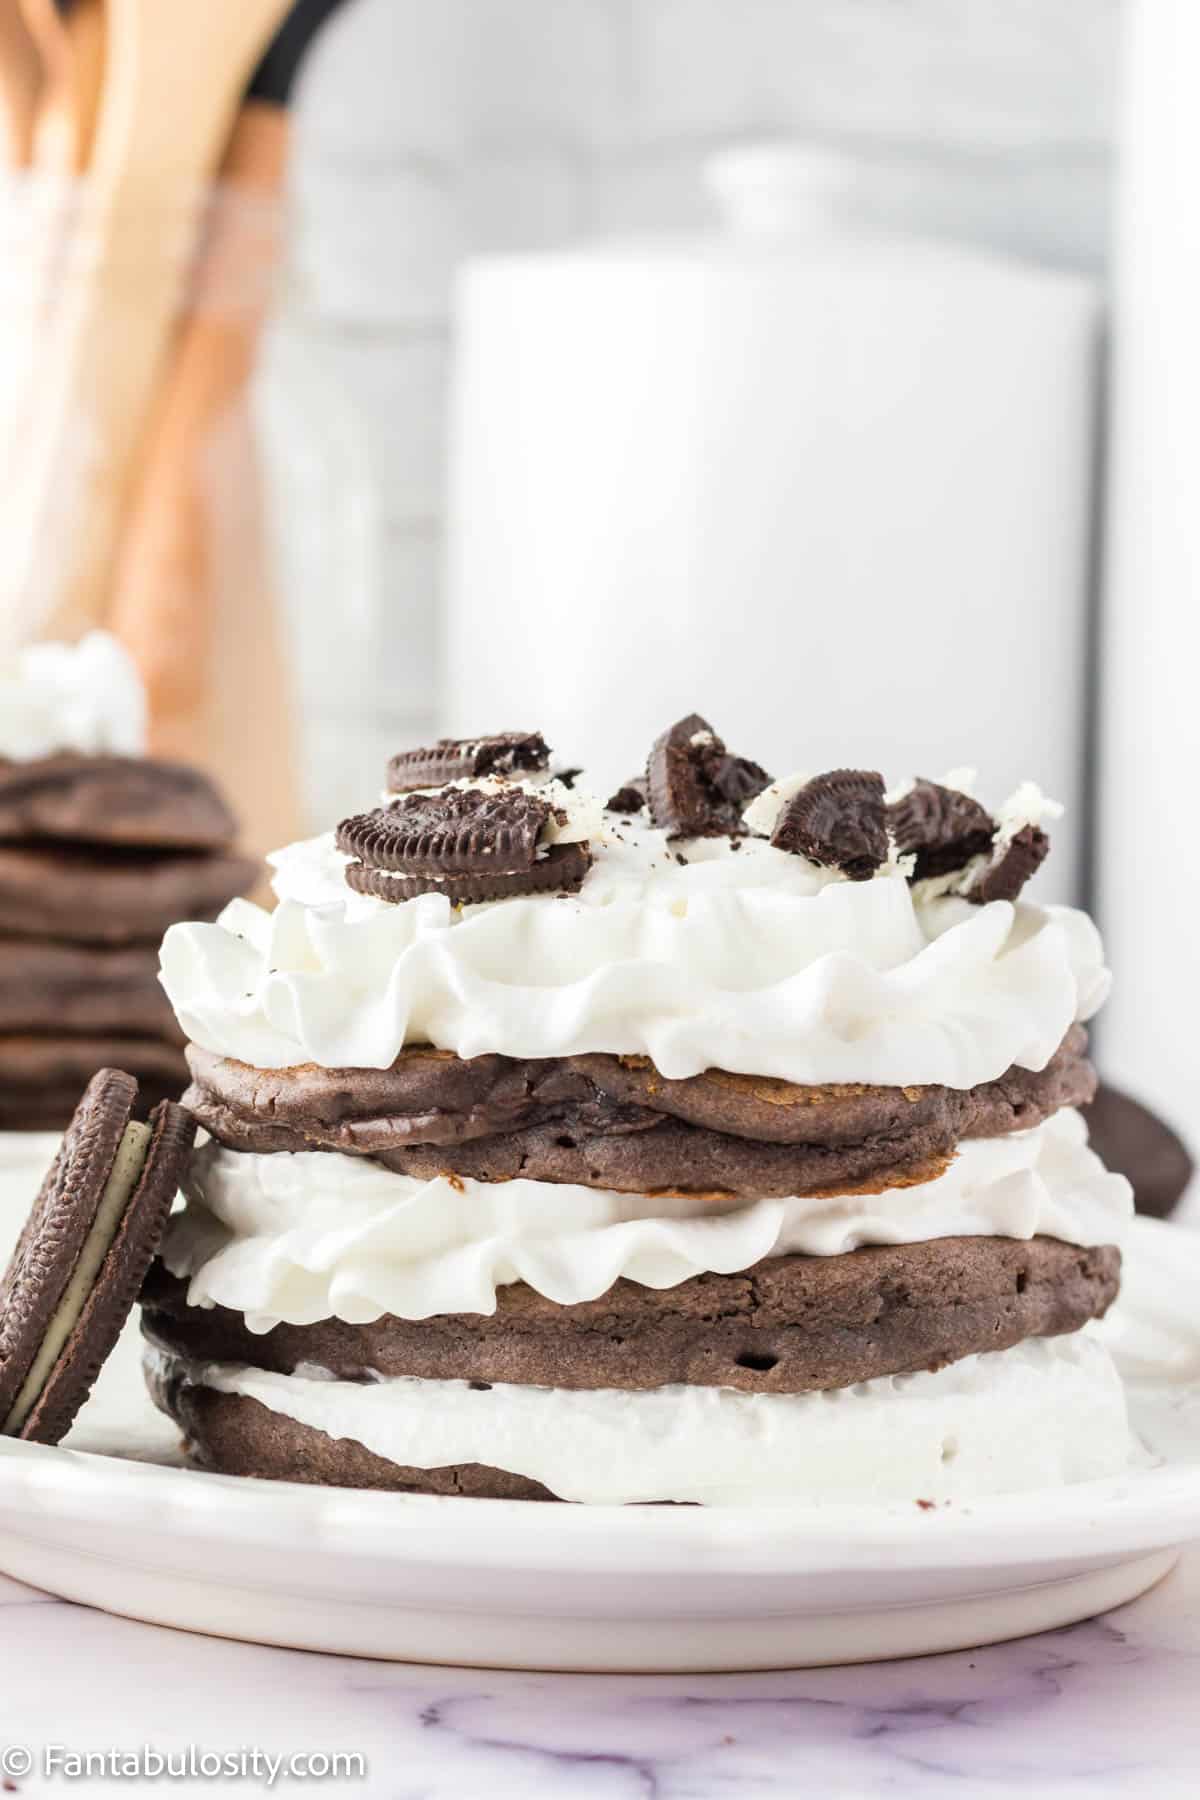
{"x":1104,"y":1708}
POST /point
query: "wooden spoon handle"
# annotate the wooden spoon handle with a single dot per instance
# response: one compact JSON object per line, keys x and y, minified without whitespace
{"x":192,"y":597}
{"x":174,"y":72}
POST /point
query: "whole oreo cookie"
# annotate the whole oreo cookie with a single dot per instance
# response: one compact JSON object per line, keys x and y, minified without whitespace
{"x":694,"y":787}
{"x":464,"y":843}
{"x":84,"y":1252}
{"x":512,"y":753}
{"x":1011,"y":867}
{"x":941,"y":827}
{"x":838,"y":820}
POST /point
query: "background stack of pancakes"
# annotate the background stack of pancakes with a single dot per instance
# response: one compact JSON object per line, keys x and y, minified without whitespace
{"x":470,"y":822}
{"x":99,"y":854}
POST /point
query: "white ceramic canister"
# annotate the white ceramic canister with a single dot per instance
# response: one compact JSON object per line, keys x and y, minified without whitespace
{"x":1148,"y":847}
{"x":828,"y":487}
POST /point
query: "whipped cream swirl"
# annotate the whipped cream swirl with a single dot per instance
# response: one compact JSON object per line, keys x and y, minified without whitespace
{"x":85,"y":697}
{"x":703,"y":955}
{"x":311,"y":1235}
{"x":1048,"y":1412}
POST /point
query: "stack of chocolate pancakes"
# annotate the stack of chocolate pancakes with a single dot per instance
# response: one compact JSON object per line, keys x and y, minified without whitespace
{"x":719,"y":1143}
{"x":99,"y":854}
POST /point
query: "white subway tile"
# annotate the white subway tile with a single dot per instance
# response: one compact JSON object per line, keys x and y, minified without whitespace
{"x":548,"y":70}
{"x":376,"y":245}
{"x":386,"y":76}
{"x":964,"y":71}
{"x":522,"y":199}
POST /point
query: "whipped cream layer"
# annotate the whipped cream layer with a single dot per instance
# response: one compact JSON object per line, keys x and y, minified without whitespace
{"x":85,"y":697}
{"x":1047,"y":1413}
{"x":301,"y":1237}
{"x":738,"y":956}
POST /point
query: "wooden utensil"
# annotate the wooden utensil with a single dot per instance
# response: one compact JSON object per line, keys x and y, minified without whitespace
{"x":174,"y":72}
{"x":69,"y":35}
{"x":192,"y":597}
{"x":20,"y":81}
{"x":68,"y":38}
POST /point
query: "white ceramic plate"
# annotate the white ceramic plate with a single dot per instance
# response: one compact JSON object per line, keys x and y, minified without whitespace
{"x":111,"y":1520}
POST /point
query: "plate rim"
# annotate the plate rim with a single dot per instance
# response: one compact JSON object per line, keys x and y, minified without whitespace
{"x":1136,"y":1511}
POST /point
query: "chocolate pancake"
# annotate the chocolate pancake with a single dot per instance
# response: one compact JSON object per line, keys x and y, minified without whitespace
{"x":232,"y":1435}
{"x":790,"y":1325}
{"x":665,"y":1157}
{"x":63,"y":989}
{"x":41,"y":1078}
{"x":84,"y":1250}
{"x":113,"y":896}
{"x":130,"y":800}
{"x":614,"y":1121}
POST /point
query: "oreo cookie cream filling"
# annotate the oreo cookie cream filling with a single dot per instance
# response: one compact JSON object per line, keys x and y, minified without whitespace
{"x":568,"y":1150}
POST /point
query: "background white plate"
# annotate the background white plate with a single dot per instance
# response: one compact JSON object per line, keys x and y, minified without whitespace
{"x":112,"y":1520}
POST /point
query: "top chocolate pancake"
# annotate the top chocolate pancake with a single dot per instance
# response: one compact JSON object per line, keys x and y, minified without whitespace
{"x":113,"y":895}
{"x":129,"y":800}
{"x":615,"y":1122}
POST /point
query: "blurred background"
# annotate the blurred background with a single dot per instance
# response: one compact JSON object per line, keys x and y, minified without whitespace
{"x":824,"y":367}
{"x":430,"y":136}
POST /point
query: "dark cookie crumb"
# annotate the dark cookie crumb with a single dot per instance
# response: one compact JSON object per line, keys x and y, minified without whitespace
{"x":629,"y":798}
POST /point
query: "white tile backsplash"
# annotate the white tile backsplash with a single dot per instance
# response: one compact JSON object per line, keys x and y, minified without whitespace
{"x":387,"y":77}
{"x":430,"y":129}
{"x":376,"y":244}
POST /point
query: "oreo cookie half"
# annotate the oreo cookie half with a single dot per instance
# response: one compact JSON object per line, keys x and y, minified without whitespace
{"x":84,"y":1252}
{"x":941,"y":827}
{"x":694,"y":787}
{"x":838,"y":820}
{"x":512,"y":753}
{"x":464,"y":843}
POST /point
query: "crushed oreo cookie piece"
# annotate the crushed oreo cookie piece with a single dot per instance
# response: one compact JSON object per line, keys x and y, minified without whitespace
{"x":462,"y":842}
{"x":941,"y":827}
{"x":838,"y":820}
{"x":567,"y":778}
{"x":694,"y":787}
{"x":561,"y":870}
{"x":629,"y":798}
{"x":506,"y":753}
{"x":1011,"y":867}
